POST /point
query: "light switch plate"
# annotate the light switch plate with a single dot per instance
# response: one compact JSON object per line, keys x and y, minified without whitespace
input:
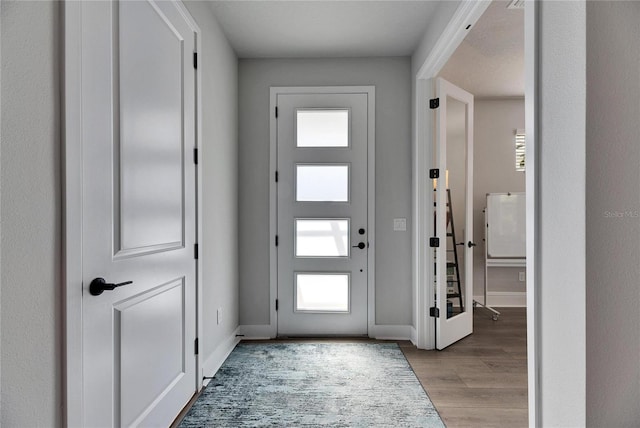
{"x":399,"y":224}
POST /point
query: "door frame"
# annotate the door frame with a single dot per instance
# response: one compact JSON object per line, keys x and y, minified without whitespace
{"x":273,"y":201}
{"x":72,"y":208}
{"x":467,"y":14}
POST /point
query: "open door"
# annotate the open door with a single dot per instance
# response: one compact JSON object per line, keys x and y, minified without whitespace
{"x":453,"y":197}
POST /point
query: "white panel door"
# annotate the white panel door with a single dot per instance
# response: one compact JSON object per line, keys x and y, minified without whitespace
{"x":138,"y":125}
{"x":454,"y":214}
{"x":322,"y":213}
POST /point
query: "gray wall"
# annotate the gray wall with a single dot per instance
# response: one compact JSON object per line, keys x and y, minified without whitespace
{"x":31,"y":242}
{"x":219,"y":163}
{"x":613,"y":214}
{"x":495,"y":123}
{"x":561,"y":207}
{"x":392,"y":79}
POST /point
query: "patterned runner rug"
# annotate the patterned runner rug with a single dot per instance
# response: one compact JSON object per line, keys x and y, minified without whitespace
{"x":314,"y":384}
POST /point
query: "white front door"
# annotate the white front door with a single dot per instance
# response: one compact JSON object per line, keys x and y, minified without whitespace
{"x":454,"y":214}
{"x":322,"y":148}
{"x":138,"y":132}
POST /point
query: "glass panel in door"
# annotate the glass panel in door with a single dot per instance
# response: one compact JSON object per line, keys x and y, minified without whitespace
{"x":454,"y":214}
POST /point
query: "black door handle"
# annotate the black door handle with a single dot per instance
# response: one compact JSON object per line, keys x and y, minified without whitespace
{"x":98,"y":285}
{"x":471,"y":244}
{"x":361,"y":245}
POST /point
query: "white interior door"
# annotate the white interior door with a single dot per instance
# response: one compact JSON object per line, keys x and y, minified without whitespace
{"x":454,"y":214}
{"x":138,"y":131}
{"x":322,"y":213}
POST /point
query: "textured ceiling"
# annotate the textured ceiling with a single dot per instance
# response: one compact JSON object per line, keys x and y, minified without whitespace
{"x":490,"y":60}
{"x":323,"y":28}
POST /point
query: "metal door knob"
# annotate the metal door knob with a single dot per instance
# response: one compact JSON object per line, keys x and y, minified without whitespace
{"x":471,"y":244}
{"x":98,"y":285}
{"x":361,"y":245}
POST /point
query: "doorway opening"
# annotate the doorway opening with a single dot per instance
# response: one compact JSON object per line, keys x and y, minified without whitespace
{"x":434,"y":303}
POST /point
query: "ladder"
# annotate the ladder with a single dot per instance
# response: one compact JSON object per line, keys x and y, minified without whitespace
{"x":453,"y":279}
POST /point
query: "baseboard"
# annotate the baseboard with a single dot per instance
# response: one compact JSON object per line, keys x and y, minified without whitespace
{"x":257,"y":332}
{"x":414,"y":336}
{"x":504,"y":299}
{"x":219,"y":355}
{"x":380,"y":331}
{"x":391,"y":332}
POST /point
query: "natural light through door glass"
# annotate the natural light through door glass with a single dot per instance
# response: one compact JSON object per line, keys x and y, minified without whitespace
{"x":322,"y":128}
{"x":322,"y":292}
{"x":322,"y":183}
{"x":322,"y":238}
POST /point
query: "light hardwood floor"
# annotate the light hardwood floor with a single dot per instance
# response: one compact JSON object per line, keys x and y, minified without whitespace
{"x":480,"y":381}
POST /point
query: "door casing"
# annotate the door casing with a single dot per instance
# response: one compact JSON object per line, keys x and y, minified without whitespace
{"x":72,"y":209}
{"x":273,"y":203}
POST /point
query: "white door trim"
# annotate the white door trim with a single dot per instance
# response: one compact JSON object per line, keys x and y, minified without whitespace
{"x":72,"y":209}
{"x":468,"y":13}
{"x":273,"y":203}
{"x":532,"y":178}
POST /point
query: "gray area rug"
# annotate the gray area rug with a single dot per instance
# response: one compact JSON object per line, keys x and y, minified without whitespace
{"x":314,"y":384}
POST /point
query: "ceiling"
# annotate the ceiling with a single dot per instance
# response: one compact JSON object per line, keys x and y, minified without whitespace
{"x":490,"y":60}
{"x":488,"y":63}
{"x":323,"y":28}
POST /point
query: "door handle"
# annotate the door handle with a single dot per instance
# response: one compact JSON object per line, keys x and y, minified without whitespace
{"x":471,"y":244}
{"x":98,"y":285}
{"x":361,"y":245}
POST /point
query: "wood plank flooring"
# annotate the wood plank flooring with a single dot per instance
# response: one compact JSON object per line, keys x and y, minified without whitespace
{"x":480,"y":381}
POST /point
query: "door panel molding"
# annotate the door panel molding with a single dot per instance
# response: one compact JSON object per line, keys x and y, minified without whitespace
{"x":273,"y":203}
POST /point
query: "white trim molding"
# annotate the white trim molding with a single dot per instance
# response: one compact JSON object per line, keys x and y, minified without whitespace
{"x":391,"y":332}
{"x":72,"y":213}
{"x":214,"y":361}
{"x":504,"y":299}
{"x":532,"y":177}
{"x":257,"y":332}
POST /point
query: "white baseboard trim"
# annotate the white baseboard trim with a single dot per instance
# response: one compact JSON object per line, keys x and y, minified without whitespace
{"x":257,"y":332}
{"x":219,"y":355}
{"x":414,"y":336}
{"x":379,"y":331}
{"x":504,"y":299}
{"x":391,"y":332}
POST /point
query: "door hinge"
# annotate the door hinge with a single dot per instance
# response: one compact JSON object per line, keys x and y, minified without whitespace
{"x":276,"y":304}
{"x":434,"y":242}
{"x":276,"y":240}
{"x":434,"y":312}
{"x":195,"y":60}
{"x":276,"y":176}
{"x":195,"y":156}
{"x":195,"y":251}
{"x":276,"y":112}
{"x":196,"y":346}
{"x":434,"y":173}
{"x":434,"y":103}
